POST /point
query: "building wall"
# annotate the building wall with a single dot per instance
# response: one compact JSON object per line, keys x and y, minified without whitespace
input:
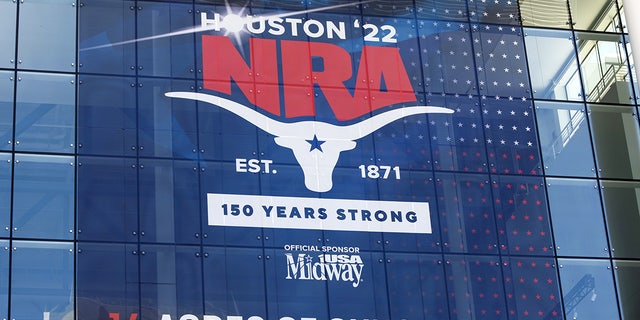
{"x":532,"y":183}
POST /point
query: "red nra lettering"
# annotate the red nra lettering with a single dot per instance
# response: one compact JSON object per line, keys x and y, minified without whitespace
{"x":381,"y":78}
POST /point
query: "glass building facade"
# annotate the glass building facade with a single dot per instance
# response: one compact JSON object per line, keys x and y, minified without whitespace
{"x":531,"y":176}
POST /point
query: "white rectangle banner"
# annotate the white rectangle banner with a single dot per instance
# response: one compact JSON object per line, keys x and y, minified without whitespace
{"x":230,"y":210}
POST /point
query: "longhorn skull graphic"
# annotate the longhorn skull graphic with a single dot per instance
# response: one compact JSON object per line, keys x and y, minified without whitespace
{"x":327,"y":140}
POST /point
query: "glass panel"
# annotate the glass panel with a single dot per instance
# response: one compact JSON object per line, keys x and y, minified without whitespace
{"x":42,"y":280}
{"x":501,"y":64}
{"x":634,"y":77}
{"x":564,"y":137}
{"x":456,"y":139}
{"x":43,"y":199}
{"x":442,"y":9}
{"x":572,"y":202}
{"x":6,"y":109}
{"x":492,"y":12}
{"x":595,"y":15}
{"x":545,"y":13}
{"x":107,"y":199}
{"x":8,"y":15}
{"x":522,"y":215}
{"x":107,"y":115}
{"x":397,"y":8}
{"x":628,"y":281}
{"x":616,"y":137}
{"x":447,"y":57}
{"x":510,"y":131}
{"x":416,"y":286}
{"x":605,"y":71}
{"x":588,"y":290}
{"x":475,"y":287}
{"x":166,"y":126}
{"x":234,"y":281}
{"x":103,"y":26}
{"x":169,"y":201}
{"x":218,"y":177}
{"x":368,"y":269}
{"x":466,"y":213}
{"x":170,"y":281}
{"x":292,"y":291}
{"x":622,"y":209}
{"x":166,"y":56}
{"x":418,"y":186}
{"x":400,"y":143}
{"x":45,"y":112}
{"x":365,"y":241}
{"x":552,"y":65}
{"x":224,"y":135}
{"x":352,"y":8}
{"x":288,"y":5}
{"x":5,"y":194}
{"x":107,"y":280}
{"x":4,"y":279}
{"x":46,"y":35}
{"x":532,"y":288}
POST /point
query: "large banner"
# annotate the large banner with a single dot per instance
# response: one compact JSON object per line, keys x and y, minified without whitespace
{"x":332,"y":160}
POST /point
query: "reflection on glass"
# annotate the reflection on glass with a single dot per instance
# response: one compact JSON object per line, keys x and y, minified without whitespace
{"x":234,"y":279}
{"x":628,"y":281}
{"x":5,"y":194}
{"x":587,"y":289}
{"x":571,"y":202}
{"x":595,"y":15}
{"x":466,"y":224}
{"x":634,"y":74}
{"x":170,"y":278}
{"x":300,"y":298}
{"x":472,"y":292}
{"x":45,"y":112}
{"x":416,"y":280}
{"x":106,"y":115}
{"x":107,"y":279}
{"x":8,"y":15}
{"x":107,"y":199}
{"x":442,"y":9}
{"x":166,"y":126}
{"x":42,"y":280}
{"x":505,"y":12}
{"x":616,"y":137}
{"x":168,"y":56}
{"x":522,"y":216}
{"x":371,"y":299}
{"x":544,"y":13}
{"x":553,"y":65}
{"x":101,"y":23}
{"x":622,"y":208}
{"x":396,"y":8}
{"x":46,"y":35}
{"x":4,"y":279}
{"x":43,"y":198}
{"x":169,"y":201}
{"x":532,"y":287}
{"x":564,"y":137}
{"x":605,"y":72}
{"x":6,"y":109}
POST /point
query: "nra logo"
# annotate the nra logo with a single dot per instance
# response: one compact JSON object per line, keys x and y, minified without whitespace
{"x":381,"y":81}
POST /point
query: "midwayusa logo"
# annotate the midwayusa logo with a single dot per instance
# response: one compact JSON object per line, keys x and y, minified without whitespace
{"x":381,"y":81}
{"x":325,"y":267}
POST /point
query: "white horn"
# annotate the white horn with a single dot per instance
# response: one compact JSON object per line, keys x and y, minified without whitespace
{"x":259,"y":120}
